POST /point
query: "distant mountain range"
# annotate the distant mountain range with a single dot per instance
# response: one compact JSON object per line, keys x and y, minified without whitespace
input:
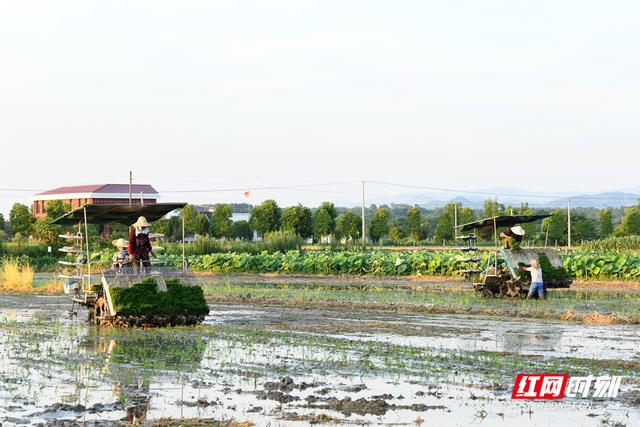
{"x":513,"y":197}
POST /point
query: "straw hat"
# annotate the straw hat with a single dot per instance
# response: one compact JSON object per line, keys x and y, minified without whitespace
{"x":518,"y":231}
{"x":120,"y":243}
{"x":141,"y":222}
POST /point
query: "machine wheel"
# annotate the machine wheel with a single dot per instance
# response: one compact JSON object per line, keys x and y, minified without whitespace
{"x":100,"y":311}
{"x":483,"y":290}
{"x":512,"y":290}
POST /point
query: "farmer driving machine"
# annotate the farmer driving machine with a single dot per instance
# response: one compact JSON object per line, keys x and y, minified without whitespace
{"x":127,"y":294}
{"x":500,"y":273}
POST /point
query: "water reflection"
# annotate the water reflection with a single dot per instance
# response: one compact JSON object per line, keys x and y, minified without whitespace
{"x":131,"y":360}
{"x":532,"y":340}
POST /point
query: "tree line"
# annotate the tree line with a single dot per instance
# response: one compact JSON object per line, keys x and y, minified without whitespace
{"x":402,"y":224}
{"x":394,"y":224}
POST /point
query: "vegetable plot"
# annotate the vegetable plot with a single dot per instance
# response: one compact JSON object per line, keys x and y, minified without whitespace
{"x":603,"y":265}
{"x":419,"y":263}
{"x":581,"y":265}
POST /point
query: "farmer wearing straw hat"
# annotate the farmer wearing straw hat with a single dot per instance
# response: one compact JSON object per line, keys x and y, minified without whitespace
{"x":121,"y":257}
{"x":513,"y":237}
{"x":139,"y":243}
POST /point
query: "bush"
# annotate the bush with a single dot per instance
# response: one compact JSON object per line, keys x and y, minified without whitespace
{"x":16,"y":276}
{"x":613,"y":244}
{"x":36,"y":255}
{"x":281,"y":241}
{"x":278,"y":241}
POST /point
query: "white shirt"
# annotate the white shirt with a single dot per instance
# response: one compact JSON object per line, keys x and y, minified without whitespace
{"x":536,"y":274}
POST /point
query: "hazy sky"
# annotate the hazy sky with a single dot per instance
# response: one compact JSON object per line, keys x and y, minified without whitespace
{"x":541,"y":95}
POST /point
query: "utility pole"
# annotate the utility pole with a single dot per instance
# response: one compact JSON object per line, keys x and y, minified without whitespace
{"x":455,"y":222}
{"x":364,"y":237}
{"x":130,"y":187}
{"x":569,"y":221}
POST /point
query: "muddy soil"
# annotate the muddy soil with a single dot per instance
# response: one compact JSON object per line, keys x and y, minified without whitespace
{"x":505,"y":310}
{"x":469,"y":333}
{"x":430,"y":282}
{"x":292,"y":366}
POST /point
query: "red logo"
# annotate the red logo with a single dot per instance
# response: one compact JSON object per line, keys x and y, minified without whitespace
{"x":540,"y":386}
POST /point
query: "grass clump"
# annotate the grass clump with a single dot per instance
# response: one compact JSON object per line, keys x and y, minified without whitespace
{"x":144,"y":299}
{"x":16,"y":276}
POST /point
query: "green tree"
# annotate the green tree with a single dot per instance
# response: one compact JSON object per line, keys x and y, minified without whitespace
{"x":555,"y":227}
{"x":630,"y":224}
{"x":324,"y":220}
{"x":43,"y":231}
{"x":491,"y":207}
{"x":299,"y":220}
{"x":170,"y":226}
{"x":444,"y":227}
{"x":241,"y":230}
{"x":379,"y":226}
{"x":56,"y":208}
{"x":329,"y":207}
{"x":21,"y":219}
{"x":531,"y":228}
{"x":414,"y":224}
{"x":349,"y":225}
{"x":201,"y":224}
{"x":174,"y":228}
{"x":221,"y":221}
{"x":188,"y":215}
{"x":160,"y":226}
{"x":395,"y":231}
{"x":583,"y":228}
{"x":265,"y":217}
{"x":2,"y":224}
{"x":605,"y":223}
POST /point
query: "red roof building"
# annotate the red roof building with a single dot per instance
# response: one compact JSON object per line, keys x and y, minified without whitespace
{"x":79,"y":195}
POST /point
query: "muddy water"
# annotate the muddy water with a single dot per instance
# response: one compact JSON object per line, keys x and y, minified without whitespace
{"x":291,"y":367}
{"x":469,"y":333}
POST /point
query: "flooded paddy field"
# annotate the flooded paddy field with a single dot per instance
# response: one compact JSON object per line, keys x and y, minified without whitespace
{"x":274,"y":364}
{"x":598,"y":303}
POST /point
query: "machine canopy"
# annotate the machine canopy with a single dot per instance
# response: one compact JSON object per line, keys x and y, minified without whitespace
{"x":123,"y":213}
{"x":502,"y":221}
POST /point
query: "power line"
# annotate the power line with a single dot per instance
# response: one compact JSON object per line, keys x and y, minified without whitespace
{"x":302,"y":187}
{"x":277,"y":187}
{"x":19,"y":189}
{"x":488,"y":193}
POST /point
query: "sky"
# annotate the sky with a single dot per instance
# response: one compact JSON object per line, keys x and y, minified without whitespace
{"x":231,"y":94}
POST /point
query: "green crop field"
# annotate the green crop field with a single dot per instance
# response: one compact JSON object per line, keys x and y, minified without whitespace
{"x":581,"y":264}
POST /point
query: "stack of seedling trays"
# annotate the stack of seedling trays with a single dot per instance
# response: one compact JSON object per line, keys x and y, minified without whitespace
{"x":151,"y":302}
{"x":73,"y":274}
